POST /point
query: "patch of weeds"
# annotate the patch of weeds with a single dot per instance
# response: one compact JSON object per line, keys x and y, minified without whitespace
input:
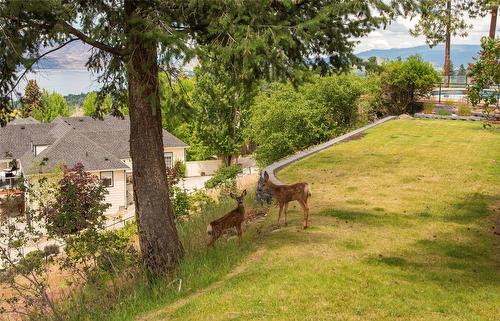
{"x":378,"y":209}
{"x":424,"y":214}
{"x":357,"y":202}
{"x":443,"y":112}
{"x":428,"y":107}
{"x":388,"y":260}
{"x":464,"y":110}
{"x":351,"y":244}
{"x":408,"y":179}
{"x":351,"y":189}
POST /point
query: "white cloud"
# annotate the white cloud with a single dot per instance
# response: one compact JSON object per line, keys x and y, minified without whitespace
{"x":397,"y":35}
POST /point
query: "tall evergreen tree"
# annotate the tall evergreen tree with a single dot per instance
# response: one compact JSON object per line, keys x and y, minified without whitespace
{"x":440,"y":20}
{"x":32,"y":99}
{"x":134,"y":40}
{"x":462,"y":72}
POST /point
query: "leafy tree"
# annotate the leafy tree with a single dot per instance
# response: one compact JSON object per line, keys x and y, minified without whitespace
{"x":32,"y":99}
{"x":440,"y":20}
{"x":284,"y":120}
{"x":176,"y":101}
{"x":53,"y":105}
{"x":404,"y":82}
{"x":134,"y":39}
{"x":91,"y":104}
{"x":222,"y":105}
{"x":371,"y":66}
{"x":485,"y":75}
{"x":462,"y":72}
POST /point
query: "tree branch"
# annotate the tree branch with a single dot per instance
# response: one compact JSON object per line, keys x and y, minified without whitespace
{"x":28,"y":68}
{"x":94,"y":43}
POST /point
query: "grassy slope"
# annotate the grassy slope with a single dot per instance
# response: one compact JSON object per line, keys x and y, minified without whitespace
{"x":401,"y":230}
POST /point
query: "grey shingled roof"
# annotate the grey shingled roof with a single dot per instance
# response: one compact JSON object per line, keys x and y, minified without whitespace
{"x":15,"y":140}
{"x":98,"y":130}
{"x":83,"y":150}
{"x":97,"y":144}
{"x":23,"y":121}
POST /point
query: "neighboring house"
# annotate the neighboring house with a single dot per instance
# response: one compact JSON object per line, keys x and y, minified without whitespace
{"x":102,"y":146}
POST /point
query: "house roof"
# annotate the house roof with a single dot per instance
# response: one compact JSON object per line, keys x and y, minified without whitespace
{"x":83,"y":150}
{"x":97,"y":144}
{"x":23,"y":121}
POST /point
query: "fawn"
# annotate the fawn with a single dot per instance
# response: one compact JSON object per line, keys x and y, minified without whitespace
{"x":285,"y":194}
{"x":234,"y":218}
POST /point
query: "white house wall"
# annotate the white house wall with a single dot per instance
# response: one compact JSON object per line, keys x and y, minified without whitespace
{"x":178,"y":154}
{"x":206,"y":167}
{"x":117,"y":193}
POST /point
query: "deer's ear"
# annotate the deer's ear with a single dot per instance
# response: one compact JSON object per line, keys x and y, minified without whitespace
{"x":232,"y":195}
{"x":244,"y":193}
{"x":266,"y":176}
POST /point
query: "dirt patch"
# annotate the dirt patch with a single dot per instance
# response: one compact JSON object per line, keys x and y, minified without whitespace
{"x":355,"y":137}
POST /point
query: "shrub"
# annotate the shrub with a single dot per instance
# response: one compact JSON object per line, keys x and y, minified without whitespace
{"x":180,"y":202}
{"x":464,"y":110}
{"x":223,"y":174}
{"x":449,"y":102}
{"x":443,"y":112}
{"x":428,"y":107}
{"x":404,"y":82}
{"x":285,"y":119}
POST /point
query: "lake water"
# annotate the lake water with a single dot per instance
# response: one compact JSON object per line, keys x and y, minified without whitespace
{"x":63,"y":81}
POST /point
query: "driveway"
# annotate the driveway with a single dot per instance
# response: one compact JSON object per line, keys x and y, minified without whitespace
{"x":194,"y":183}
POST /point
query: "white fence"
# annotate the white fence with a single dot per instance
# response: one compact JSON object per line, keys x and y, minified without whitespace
{"x":202,"y":168}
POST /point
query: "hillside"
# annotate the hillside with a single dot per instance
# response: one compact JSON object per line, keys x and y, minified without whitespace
{"x":460,"y":54}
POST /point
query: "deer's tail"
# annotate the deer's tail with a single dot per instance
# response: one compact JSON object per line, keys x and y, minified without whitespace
{"x":307,"y":190}
{"x":209,"y":229}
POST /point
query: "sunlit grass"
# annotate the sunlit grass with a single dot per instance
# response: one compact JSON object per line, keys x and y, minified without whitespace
{"x":401,"y":230}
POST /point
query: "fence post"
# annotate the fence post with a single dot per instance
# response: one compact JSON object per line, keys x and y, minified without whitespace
{"x":439,"y":93}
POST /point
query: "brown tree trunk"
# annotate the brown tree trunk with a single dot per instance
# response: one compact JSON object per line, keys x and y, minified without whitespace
{"x":493,"y":21}
{"x":160,"y":245}
{"x":447,"y":45}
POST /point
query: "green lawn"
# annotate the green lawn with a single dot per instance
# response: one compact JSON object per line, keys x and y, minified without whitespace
{"x":401,"y":230}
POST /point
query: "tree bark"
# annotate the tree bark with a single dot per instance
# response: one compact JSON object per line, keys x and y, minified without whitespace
{"x":493,"y":21}
{"x":447,"y":45}
{"x":160,"y":245}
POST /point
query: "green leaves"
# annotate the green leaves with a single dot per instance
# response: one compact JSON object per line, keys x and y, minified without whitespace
{"x":403,"y":82}
{"x":53,"y":105}
{"x":284,"y":119}
{"x":485,"y":75}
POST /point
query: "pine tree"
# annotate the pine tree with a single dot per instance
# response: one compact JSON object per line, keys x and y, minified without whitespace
{"x":442,"y":19}
{"x":32,"y":99}
{"x":134,"y":40}
{"x":462,"y":72}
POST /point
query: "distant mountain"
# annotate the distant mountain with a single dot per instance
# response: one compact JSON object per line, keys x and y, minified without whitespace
{"x":71,"y":57}
{"x":460,"y":54}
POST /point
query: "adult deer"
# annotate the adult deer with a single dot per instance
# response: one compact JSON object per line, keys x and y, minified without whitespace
{"x":232,"y":219}
{"x":285,"y":194}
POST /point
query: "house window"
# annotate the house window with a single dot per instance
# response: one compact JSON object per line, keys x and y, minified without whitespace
{"x":169,"y":157}
{"x":107,"y":179}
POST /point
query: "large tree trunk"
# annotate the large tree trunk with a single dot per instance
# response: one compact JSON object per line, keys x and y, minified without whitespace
{"x":447,"y":45}
{"x":160,"y":245}
{"x":493,"y":21}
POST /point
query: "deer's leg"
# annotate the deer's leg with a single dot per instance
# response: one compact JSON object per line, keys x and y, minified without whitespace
{"x":285,"y":210}
{"x":279,"y":214}
{"x":239,"y":230}
{"x":304,"y":206}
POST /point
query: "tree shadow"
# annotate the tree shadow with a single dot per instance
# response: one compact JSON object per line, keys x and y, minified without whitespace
{"x":468,"y":255}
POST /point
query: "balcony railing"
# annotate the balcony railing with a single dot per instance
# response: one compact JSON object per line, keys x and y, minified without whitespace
{"x":9,"y":182}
